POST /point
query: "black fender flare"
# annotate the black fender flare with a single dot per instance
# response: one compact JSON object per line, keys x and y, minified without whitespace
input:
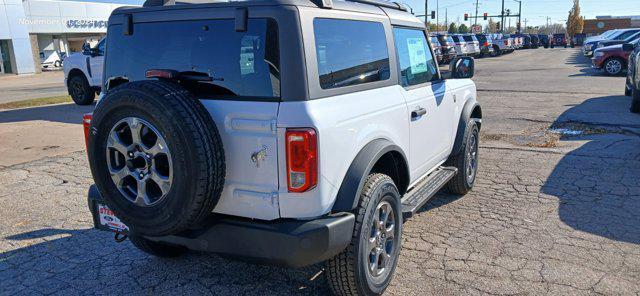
{"x":351,"y":187}
{"x":467,"y":110}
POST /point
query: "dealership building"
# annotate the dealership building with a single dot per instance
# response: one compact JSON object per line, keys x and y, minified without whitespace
{"x":35,"y":30}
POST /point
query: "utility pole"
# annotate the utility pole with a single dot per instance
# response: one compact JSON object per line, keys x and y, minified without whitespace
{"x":426,"y":13}
{"x":437,"y":13}
{"x":502,"y":17}
{"x":519,"y":16}
{"x":446,"y":19}
{"x":477,"y":3}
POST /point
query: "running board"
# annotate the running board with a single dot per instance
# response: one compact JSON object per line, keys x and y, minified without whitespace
{"x":413,"y":200}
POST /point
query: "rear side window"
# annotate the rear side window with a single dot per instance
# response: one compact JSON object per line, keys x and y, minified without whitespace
{"x":414,"y":57}
{"x":469,"y":38}
{"x":239,"y":64}
{"x":456,"y":38}
{"x":350,"y":52}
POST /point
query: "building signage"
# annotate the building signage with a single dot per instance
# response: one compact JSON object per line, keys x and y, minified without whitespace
{"x":86,"y":24}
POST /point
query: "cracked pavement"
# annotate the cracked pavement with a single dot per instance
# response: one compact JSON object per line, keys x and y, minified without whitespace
{"x":556,"y":219}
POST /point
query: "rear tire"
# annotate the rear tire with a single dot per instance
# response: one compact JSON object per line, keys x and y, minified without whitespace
{"x":170,"y":176}
{"x":80,"y":90}
{"x":466,"y":161}
{"x":157,"y":249}
{"x":352,"y":271}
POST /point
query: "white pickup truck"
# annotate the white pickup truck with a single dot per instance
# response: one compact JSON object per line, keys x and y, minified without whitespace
{"x":83,"y":73}
{"x":283,"y":132}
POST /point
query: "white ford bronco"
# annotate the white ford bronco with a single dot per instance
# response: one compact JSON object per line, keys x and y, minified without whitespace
{"x":83,"y":73}
{"x":285,"y":132}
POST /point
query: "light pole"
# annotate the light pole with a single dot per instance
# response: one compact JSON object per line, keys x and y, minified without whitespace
{"x":502,"y":17}
{"x":519,"y":15}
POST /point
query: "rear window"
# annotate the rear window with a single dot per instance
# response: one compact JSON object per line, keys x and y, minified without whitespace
{"x":469,"y":38}
{"x":456,"y":38}
{"x":434,"y":41}
{"x":239,"y":64}
{"x":350,"y":52}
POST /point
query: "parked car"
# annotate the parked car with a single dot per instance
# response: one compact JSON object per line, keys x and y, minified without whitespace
{"x":503,"y":43}
{"x":437,"y":49}
{"x":486,"y":45}
{"x":191,"y":149}
{"x":51,"y":58}
{"x":473,"y":45}
{"x":620,"y":34}
{"x":611,"y":59}
{"x":460,"y":45}
{"x":545,"y":41}
{"x":609,"y":42}
{"x":535,"y":41}
{"x":559,"y":40}
{"x":632,"y":86}
{"x":83,"y":73}
{"x":604,"y":35}
{"x":447,"y":48}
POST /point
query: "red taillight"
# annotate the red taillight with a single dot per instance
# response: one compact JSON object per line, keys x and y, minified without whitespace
{"x":302,"y":159}
{"x":86,"y":123}
{"x":161,"y":73}
{"x":485,"y":43}
{"x":506,"y":42}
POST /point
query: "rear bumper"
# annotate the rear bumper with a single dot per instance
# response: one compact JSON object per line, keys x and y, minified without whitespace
{"x":284,"y":242}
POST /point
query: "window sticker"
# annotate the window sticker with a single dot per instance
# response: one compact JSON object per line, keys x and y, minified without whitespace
{"x":417,"y":55}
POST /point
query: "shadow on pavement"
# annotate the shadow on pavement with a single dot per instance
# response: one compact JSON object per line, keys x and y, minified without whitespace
{"x":89,"y":262}
{"x":64,"y":113}
{"x":578,"y":59}
{"x":598,"y":184}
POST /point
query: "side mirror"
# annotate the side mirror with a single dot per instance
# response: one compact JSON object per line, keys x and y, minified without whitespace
{"x":627,"y":47}
{"x":462,"y":68}
{"x":86,"y":49}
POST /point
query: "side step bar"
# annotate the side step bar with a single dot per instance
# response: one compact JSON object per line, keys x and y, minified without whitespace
{"x":413,"y":200}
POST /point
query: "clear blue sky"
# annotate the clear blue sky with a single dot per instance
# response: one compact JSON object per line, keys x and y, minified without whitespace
{"x":535,"y":11}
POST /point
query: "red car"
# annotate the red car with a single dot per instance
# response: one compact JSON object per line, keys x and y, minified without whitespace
{"x":611,"y":59}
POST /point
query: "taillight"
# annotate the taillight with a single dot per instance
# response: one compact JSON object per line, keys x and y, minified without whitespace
{"x":485,"y":43}
{"x":86,"y":123}
{"x":506,"y":42}
{"x":302,"y":159}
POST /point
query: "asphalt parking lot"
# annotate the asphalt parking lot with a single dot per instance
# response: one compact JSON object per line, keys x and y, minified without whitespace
{"x":554,"y":211}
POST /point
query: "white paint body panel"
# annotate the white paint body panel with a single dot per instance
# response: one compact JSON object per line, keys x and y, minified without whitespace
{"x":250,"y":189}
{"x":79,"y":61}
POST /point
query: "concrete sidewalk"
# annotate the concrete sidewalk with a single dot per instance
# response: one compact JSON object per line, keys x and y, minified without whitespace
{"x":23,"y":87}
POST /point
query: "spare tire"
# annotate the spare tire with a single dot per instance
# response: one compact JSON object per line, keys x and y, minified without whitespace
{"x":156,"y":156}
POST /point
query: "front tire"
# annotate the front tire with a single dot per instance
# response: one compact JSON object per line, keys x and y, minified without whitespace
{"x":613,"y":66}
{"x":367,"y":265}
{"x":466,"y":161}
{"x":80,"y":90}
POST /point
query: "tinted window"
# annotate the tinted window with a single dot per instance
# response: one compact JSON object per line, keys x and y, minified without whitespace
{"x":239,"y":64}
{"x":434,"y":41}
{"x":625,"y":35}
{"x":456,"y":38}
{"x":414,"y":58}
{"x":350,"y":52}
{"x":469,"y":38}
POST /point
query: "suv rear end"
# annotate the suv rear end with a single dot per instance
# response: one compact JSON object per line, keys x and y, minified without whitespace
{"x":448,"y":47}
{"x":460,"y":45}
{"x":473,"y":46}
{"x":486,"y":44}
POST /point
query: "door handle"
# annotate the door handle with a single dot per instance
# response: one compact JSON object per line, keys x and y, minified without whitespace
{"x":418,"y":113}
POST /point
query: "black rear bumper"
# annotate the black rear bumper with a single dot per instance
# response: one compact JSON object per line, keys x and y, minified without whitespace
{"x":284,"y":242}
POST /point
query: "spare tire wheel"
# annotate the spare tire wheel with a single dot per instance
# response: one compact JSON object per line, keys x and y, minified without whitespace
{"x":156,"y":156}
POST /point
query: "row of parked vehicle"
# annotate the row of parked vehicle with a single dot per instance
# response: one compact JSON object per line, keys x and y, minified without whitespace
{"x":608,"y":52}
{"x":447,"y":47}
